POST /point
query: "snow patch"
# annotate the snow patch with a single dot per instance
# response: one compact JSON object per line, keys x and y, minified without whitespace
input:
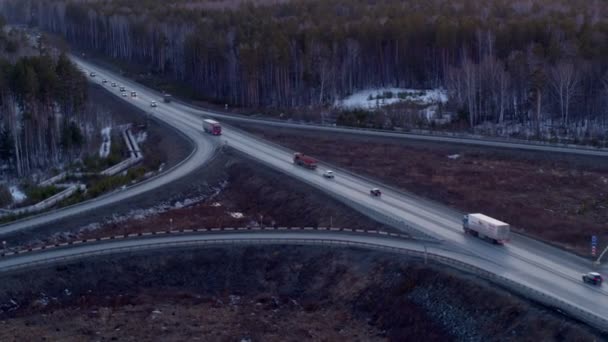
{"x":18,"y":195}
{"x":236,"y":215}
{"x":454,"y":156}
{"x":106,"y":143}
{"x":379,"y":97}
{"x":141,"y":137}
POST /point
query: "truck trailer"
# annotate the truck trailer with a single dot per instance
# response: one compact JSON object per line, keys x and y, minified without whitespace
{"x":212,"y":127}
{"x":304,"y":160}
{"x":486,"y":227}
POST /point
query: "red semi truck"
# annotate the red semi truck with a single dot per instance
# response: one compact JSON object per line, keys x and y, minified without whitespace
{"x":304,"y":160}
{"x":212,"y":127}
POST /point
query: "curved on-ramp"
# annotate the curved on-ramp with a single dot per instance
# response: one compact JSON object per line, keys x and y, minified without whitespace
{"x":203,"y":149}
{"x":298,"y":236}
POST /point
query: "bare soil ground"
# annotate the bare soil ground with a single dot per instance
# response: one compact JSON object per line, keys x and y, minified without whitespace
{"x":268,"y":293}
{"x":557,"y":198}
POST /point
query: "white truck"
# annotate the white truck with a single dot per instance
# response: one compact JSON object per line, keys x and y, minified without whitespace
{"x":212,"y":127}
{"x":486,"y":227}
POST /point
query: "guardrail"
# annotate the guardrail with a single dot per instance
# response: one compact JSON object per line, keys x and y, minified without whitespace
{"x":432,"y":253}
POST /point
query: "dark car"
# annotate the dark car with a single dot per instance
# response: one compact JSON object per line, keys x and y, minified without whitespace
{"x":375,"y":192}
{"x":593,"y":278}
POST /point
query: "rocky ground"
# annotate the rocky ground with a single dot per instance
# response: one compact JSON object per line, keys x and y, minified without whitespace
{"x":272,"y":293}
{"x":558,"y":198}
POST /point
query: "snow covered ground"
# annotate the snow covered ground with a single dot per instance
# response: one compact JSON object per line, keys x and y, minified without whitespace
{"x":106,"y":143}
{"x":141,"y":137}
{"x":18,"y":195}
{"x":378,"y":97}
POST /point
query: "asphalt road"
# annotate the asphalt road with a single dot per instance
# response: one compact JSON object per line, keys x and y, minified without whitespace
{"x":549,"y":270}
{"x":531,"y":284}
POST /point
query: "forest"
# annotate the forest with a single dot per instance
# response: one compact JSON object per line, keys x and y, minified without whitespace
{"x":527,"y":62}
{"x":42,"y":98}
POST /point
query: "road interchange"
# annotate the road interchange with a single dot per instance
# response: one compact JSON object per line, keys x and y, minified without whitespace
{"x":548,"y":270}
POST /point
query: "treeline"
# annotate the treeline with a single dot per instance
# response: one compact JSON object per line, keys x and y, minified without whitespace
{"x":532,"y":62}
{"x":41,"y":104}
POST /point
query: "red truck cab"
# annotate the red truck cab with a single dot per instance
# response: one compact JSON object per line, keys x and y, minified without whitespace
{"x":304,"y":160}
{"x":212,"y":127}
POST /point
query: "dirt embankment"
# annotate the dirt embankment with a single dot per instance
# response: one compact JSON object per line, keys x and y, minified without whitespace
{"x":558,"y":198}
{"x":268,"y":293}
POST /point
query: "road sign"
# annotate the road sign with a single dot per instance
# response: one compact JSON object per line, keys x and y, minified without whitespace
{"x":593,"y":240}
{"x":593,"y":251}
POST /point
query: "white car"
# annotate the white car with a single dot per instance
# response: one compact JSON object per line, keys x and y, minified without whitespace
{"x":328,"y":174}
{"x":92,"y":74}
{"x":122,"y":88}
{"x":104,"y":81}
{"x":124,"y":94}
{"x":153,"y":104}
{"x":113,"y":84}
{"x":133,"y":94}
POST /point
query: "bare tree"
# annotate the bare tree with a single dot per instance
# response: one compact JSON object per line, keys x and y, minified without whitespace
{"x":564,"y":80}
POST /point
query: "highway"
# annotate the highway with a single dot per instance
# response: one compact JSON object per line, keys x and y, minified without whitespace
{"x":548,"y":270}
{"x":555,"y":272}
{"x":531,"y":285}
